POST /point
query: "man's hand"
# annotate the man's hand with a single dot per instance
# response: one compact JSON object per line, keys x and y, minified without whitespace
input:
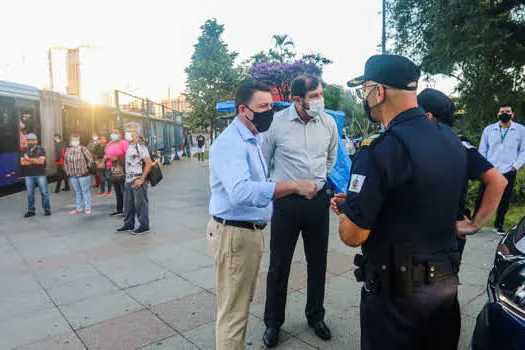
{"x":26,"y":157}
{"x":514,"y":170}
{"x":334,"y":202}
{"x":306,"y":188}
{"x":466,"y":227}
{"x":138,"y":183}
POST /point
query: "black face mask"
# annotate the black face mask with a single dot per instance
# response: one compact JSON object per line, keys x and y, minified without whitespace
{"x":505,"y":117}
{"x":263,"y":120}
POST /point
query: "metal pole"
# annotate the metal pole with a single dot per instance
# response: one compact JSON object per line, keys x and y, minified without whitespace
{"x":119,"y":121}
{"x":50,"y":62}
{"x":383,"y":38}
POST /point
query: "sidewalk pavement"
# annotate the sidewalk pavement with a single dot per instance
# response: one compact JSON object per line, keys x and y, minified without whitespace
{"x":71,"y":282}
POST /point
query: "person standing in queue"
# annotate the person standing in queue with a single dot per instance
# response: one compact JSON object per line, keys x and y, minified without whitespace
{"x":300,"y":144}
{"x":401,"y":208}
{"x":116,"y":152}
{"x":138,"y":166}
{"x":60,"y":151}
{"x":33,"y":166}
{"x":240,"y":207}
{"x":440,"y":109}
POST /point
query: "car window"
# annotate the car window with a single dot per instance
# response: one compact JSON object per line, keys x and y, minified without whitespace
{"x":519,"y":236}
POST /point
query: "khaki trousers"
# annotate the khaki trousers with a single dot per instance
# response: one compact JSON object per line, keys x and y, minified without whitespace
{"x":237,"y":254}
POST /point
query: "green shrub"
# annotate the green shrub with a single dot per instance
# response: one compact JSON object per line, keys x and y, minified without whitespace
{"x":518,"y":197}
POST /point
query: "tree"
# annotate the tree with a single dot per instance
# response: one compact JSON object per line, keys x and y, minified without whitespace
{"x":211,"y":76}
{"x":280,"y":75}
{"x":481,"y":43}
{"x":281,"y":52}
{"x":355,"y":119}
{"x":333,"y":95}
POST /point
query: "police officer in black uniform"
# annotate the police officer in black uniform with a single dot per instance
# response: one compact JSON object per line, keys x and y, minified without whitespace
{"x":401,"y":207}
{"x":440,"y":109}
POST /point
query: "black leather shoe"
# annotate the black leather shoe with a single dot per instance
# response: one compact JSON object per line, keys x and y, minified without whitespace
{"x":321,"y":330}
{"x":271,"y":337}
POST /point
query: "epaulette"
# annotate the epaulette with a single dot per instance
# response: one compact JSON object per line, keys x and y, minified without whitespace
{"x":371,"y":140}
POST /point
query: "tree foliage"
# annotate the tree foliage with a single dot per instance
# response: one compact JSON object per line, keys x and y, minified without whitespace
{"x":278,"y":66}
{"x":333,"y":95}
{"x":481,"y":43}
{"x":211,"y":76}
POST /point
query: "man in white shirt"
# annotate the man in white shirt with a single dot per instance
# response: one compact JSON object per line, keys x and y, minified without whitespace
{"x":503,"y":144}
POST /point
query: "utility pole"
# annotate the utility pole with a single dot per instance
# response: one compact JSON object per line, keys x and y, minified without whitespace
{"x":383,"y":38}
{"x":50,"y":62}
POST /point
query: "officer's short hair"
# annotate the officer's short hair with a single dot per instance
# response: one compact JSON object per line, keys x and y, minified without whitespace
{"x":304,"y":83}
{"x":505,"y":105}
{"x":245,"y":92}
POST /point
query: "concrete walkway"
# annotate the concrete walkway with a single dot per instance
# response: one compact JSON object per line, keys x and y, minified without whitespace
{"x":72,"y":282}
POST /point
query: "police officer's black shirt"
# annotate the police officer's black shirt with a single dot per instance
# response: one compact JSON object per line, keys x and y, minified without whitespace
{"x":406,"y":186}
{"x":477,"y":165}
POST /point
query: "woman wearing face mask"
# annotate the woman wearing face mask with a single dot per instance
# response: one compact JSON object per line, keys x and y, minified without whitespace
{"x":76,"y":162}
{"x":116,"y":152}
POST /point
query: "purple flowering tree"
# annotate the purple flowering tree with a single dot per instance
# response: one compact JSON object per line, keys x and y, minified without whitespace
{"x":280,"y":75}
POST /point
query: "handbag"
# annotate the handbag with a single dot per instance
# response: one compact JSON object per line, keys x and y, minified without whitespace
{"x":116,"y":173}
{"x":155,"y":174}
{"x":91,"y":166}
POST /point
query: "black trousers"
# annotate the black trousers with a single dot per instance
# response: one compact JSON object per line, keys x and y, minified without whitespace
{"x":428,"y":320}
{"x":293,"y":215}
{"x":61,"y":176}
{"x":119,"y":194}
{"x":503,"y":206}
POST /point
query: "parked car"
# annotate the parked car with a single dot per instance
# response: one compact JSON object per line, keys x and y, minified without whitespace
{"x":501,"y":323}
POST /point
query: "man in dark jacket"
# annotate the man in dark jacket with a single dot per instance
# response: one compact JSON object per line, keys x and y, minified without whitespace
{"x":60,"y":150}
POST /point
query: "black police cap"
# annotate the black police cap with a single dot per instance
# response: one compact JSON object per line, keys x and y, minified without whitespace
{"x":396,"y":71}
{"x":437,"y":103}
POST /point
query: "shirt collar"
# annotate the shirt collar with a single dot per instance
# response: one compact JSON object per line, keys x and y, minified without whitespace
{"x":246,"y":134}
{"x":407,"y":115}
{"x":293,"y":115}
{"x":512,"y":126}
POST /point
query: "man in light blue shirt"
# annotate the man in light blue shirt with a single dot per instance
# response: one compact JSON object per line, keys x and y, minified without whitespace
{"x":503,"y":144}
{"x":240,"y":206}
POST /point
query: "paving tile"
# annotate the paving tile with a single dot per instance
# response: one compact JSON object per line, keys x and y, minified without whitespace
{"x":189,"y":312}
{"x":338,"y":263}
{"x":164,"y":290}
{"x":129,"y":271}
{"x":177,"y":342}
{"x":80,"y":289}
{"x":473,"y":307}
{"x":26,"y":329}
{"x":204,"y":277}
{"x":23,"y":303}
{"x":295,"y":319}
{"x":66,"y":341}
{"x":126,"y":332}
{"x":181,"y":262}
{"x":204,"y":336}
{"x":295,"y":344}
{"x":65,"y":274}
{"x":18,"y":283}
{"x":99,"y":308}
{"x":467,"y":330}
{"x":474,"y":276}
{"x":345,"y":327}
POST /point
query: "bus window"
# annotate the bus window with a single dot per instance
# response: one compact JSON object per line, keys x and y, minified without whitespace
{"x":28,"y":120}
{"x":9,"y":137}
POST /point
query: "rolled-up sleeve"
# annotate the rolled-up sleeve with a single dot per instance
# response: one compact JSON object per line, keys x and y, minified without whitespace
{"x":332,"y":148}
{"x":232,"y":168}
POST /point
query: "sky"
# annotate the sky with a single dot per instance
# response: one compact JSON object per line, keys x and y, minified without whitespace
{"x":142,"y":47}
